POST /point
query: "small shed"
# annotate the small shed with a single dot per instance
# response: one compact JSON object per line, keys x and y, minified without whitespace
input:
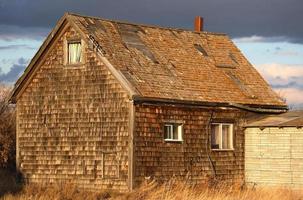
{"x":274,"y":150}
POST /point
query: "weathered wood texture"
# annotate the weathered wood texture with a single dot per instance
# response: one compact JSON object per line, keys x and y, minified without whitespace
{"x":73,"y":123}
{"x":274,"y":156}
{"x":188,"y":159}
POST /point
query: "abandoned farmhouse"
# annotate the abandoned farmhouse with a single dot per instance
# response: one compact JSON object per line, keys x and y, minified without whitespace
{"x":107,"y":104}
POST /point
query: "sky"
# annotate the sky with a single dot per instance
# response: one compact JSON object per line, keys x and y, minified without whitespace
{"x":268,"y":32}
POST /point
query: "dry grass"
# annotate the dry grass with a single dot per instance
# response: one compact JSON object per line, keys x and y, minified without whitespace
{"x":176,"y":190}
{"x":58,"y":192}
{"x":172,"y":190}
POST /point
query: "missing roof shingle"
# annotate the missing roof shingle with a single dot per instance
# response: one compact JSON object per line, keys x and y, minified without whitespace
{"x":226,"y":66}
{"x":96,"y":45}
{"x":240,"y":84}
{"x":129,"y":35}
{"x":233,"y":58}
{"x":231,"y":64}
{"x":95,"y":25}
{"x":200,"y":49}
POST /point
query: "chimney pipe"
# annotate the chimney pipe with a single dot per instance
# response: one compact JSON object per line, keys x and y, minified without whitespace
{"x":198,"y":23}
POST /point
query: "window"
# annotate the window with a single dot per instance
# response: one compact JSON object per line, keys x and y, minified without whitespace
{"x":74,"y":52}
{"x":173,"y":132}
{"x":222,"y":136}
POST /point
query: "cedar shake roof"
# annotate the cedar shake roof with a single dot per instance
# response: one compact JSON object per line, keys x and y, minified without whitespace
{"x":175,"y":64}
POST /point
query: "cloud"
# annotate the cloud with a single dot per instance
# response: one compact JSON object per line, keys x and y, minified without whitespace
{"x":293,"y":96}
{"x":286,"y":80}
{"x":238,"y":18}
{"x":259,"y":39}
{"x":16,"y":46}
{"x":11,"y":33}
{"x":277,"y":71}
{"x":15,"y":71}
{"x":281,"y":52}
{"x":5,"y":61}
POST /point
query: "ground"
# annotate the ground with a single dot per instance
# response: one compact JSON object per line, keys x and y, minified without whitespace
{"x":12,"y":188}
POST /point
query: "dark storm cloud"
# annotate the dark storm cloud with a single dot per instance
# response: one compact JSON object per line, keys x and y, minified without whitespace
{"x":15,"y":71}
{"x":16,"y":46}
{"x":239,"y":18}
{"x":291,"y":82}
{"x":12,"y":32}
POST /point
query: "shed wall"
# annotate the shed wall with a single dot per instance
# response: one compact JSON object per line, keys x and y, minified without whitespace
{"x":73,"y":123}
{"x":274,"y":156}
{"x":189,"y":159}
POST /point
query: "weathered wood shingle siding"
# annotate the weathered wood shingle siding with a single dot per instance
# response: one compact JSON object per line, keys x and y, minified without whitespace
{"x":162,"y":160}
{"x":73,"y":123}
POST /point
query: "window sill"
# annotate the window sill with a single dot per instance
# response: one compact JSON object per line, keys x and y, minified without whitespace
{"x":176,"y":141}
{"x":222,"y":149}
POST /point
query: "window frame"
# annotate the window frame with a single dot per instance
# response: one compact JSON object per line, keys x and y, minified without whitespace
{"x":66,"y":52}
{"x":173,"y":125}
{"x":230,"y":139}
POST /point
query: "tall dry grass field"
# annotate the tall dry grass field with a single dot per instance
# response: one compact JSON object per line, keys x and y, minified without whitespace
{"x":177,"y":190}
{"x":172,"y":190}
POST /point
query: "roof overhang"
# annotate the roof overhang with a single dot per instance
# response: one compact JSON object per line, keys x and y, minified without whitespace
{"x":252,"y":108}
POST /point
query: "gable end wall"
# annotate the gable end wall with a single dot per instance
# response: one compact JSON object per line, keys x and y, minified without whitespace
{"x":73,"y":123}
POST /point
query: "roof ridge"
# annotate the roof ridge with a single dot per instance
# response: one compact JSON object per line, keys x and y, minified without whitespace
{"x":147,"y":25}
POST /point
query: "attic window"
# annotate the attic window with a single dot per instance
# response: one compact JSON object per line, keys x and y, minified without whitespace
{"x":201,"y":49}
{"x":74,"y":52}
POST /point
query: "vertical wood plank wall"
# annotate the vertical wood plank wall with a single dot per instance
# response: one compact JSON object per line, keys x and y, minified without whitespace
{"x":162,"y":160}
{"x":73,"y":123}
{"x":274,"y":156}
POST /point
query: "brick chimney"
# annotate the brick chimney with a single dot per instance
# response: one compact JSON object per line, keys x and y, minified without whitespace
{"x":198,"y":24}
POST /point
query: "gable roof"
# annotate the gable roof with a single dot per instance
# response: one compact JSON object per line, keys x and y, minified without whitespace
{"x":170,"y":65}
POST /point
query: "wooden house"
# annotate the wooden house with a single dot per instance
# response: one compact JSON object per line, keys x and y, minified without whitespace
{"x":274,"y":150}
{"x":106,"y":104}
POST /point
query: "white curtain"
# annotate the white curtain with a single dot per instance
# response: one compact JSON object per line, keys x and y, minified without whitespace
{"x":74,"y":53}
